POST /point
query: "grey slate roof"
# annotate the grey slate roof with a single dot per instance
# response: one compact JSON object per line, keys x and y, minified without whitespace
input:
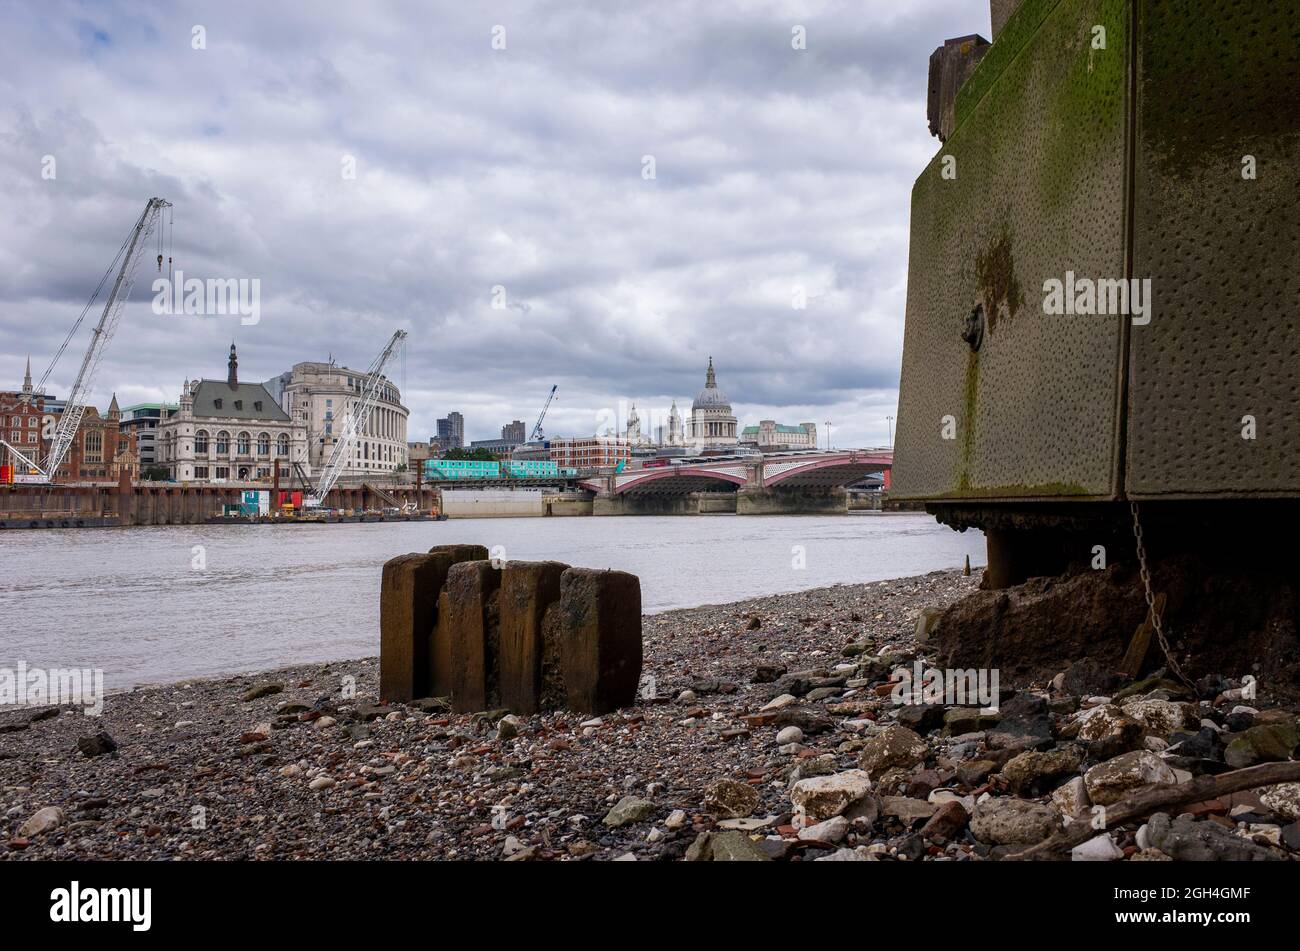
{"x":246,"y":394}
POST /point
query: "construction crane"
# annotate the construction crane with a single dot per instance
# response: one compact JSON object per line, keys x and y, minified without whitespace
{"x":66,"y":430}
{"x":538,"y":435}
{"x":358,"y":417}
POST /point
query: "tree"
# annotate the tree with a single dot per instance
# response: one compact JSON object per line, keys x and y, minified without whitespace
{"x":476,"y":455}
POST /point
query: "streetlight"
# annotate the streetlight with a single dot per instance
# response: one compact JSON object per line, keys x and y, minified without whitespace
{"x":891,"y":431}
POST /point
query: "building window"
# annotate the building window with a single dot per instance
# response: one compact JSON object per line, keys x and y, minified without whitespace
{"x":263,"y":444}
{"x":282,"y":445}
{"x":223,"y":472}
{"x":244,"y":444}
{"x":201,"y":442}
{"x":200,"y":472}
{"x":223,"y":443}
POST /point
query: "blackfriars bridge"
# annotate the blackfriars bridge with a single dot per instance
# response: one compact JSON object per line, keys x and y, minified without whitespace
{"x":783,"y":482}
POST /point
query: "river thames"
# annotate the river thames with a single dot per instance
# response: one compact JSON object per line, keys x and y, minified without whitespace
{"x":151,"y":605}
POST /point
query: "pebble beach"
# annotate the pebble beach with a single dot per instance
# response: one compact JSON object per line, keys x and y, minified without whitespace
{"x":762,"y":733}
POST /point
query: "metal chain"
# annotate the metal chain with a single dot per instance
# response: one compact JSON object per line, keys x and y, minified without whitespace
{"x":1156,"y":621}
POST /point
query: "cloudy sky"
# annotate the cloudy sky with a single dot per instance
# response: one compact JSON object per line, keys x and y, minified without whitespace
{"x":523,"y":168}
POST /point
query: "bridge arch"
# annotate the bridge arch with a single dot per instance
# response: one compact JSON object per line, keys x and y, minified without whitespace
{"x":677,"y":478}
{"x":840,"y":469}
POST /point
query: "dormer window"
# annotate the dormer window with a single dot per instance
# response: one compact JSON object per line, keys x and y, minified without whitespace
{"x":258,"y":406}
{"x":239,"y":404}
{"x":217,"y":402}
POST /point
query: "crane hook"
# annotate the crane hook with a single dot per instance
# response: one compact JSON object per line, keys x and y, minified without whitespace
{"x":160,"y":264}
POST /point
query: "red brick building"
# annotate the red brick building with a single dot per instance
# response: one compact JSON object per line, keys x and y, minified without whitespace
{"x":592,"y":452}
{"x":20,"y":423}
{"x":99,"y":452}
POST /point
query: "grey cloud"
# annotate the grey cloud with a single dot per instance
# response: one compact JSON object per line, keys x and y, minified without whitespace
{"x":476,"y":168}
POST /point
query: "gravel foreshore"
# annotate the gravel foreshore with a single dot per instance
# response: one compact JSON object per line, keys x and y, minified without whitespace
{"x":766,"y":732}
{"x":306,"y":772}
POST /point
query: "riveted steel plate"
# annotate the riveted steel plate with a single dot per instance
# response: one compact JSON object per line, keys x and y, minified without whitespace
{"x":1039,"y":187}
{"x":1217,"y":82}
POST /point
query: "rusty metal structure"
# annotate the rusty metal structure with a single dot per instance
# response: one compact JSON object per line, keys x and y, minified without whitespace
{"x":1103,"y":299}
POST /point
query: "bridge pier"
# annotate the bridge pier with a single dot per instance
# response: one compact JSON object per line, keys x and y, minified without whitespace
{"x":804,"y":500}
{"x":693,"y":503}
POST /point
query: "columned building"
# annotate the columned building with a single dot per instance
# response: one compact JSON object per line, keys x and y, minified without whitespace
{"x":227,"y":431}
{"x":711,"y":422}
{"x":323,"y":393}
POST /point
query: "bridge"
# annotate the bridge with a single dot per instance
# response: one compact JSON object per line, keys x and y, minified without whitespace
{"x":784,"y":482}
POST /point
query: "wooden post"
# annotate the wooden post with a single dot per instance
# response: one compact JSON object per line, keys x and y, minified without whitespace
{"x":471,"y":616}
{"x":528,"y":590}
{"x":600,"y":632}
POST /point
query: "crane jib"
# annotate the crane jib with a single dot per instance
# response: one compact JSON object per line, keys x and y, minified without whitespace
{"x":100,"y":337}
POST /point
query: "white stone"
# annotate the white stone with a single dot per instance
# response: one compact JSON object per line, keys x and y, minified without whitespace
{"x":1160,"y":716}
{"x":320,"y":782}
{"x":1111,"y":781}
{"x":1263,"y":830}
{"x":821,"y":797}
{"x":776,"y":703}
{"x":1283,"y":799}
{"x":1071,"y":798}
{"x":791,"y":734}
{"x":829,"y":831}
{"x":847,"y":855}
{"x":1099,"y":849}
{"x":42,"y":820}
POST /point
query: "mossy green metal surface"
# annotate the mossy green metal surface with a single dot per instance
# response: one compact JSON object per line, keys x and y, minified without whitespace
{"x":1217,"y":230}
{"x":1017,"y":33}
{"x":1038,"y":156}
{"x":1234,"y":55}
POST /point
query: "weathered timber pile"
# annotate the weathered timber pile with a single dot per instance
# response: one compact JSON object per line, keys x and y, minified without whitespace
{"x":763,"y":730}
{"x":523,"y":636}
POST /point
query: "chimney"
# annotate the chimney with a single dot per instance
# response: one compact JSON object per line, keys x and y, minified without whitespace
{"x":232,"y":378}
